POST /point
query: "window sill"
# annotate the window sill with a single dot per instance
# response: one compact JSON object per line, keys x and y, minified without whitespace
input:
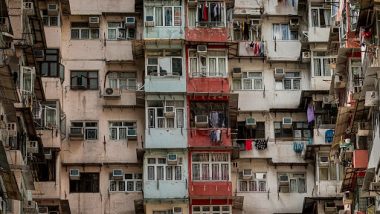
{"x":293,"y":40}
{"x":252,"y":192}
{"x":166,"y":77}
{"x":288,"y":89}
{"x":248,"y":89}
{"x":198,"y":77}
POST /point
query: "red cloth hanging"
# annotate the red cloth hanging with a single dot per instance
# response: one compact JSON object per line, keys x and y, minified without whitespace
{"x":248,"y":145}
{"x":205,"y":12}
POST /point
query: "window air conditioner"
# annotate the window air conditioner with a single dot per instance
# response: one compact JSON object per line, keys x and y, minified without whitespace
{"x":76,"y":133}
{"x":94,"y":21}
{"x":177,"y":210}
{"x":201,"y":121}
{"x":169,"y":112}
{"x":284,"y":180}
{"x":149,"y":21}
{"x":48,"y":154}
{"x":111,"y":93}
{"x":130,"y":22}
{"x":74,"y":174}
{"x":294,"y":23}
{"x":287,"y":122}
{"x":323,"y":160}
{"x":330,"y":207}
{"x":279,"y":73}
{"x":32,"y":146}
{"x":250,"y":122}
{"x":27,"y":5}
{"x":202,"y":48}
{"x":297,"y":134}
{"x":117,"y":174}
{"x":12,"y":129}
{"x":306,"y":56}
{"x":236,"y":72}
{"x":52,"y":9}
{"x":172,"y":159}
{"x":247,"y":174}
{"x":43,"y":210}
{"x":38,"y":53}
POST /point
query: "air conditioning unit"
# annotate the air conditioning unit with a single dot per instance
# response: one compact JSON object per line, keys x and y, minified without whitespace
{"x":177,"y":210}
{"x":149,"y":21}
{"x":294,"y":23}
{"x":247,"y":174}
{"x":130,"y":22}
{"x":250,"y":122}
{"x":27,"y":6}
{"x":76,"y":133}
{"x":287,"y":122}
{"x":169,"y":111}
{"x":43,"y":210}
{"x":374,"y":186}
{"x":283,"y":180}
{"x":297,"y":134}
{"x":172,"y":159}
{"x":112,"y":93}
{"x":12,"y":129}
{"x":48,"y":154}
{"x":330,"y":207}
{"x":323,"y":160}
{"x":202,"y":48}
{"x":94,"y":21}
{"x":74,"y":174}
{"x":236,"y":72}
{"x":279,"y":73}
{"x":117,"y":174}
{"x":306,"y":56}
{"x":371,"y":98}
{"x":39,"y":53}
{"x":32,"y":146}
{"x":52,"y":9}
{"x":201,"y":121}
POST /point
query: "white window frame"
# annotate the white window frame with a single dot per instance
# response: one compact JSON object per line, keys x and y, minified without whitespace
{"x":80,"y":29}
{"x":118,"y":30}
{"x":204,"y":71}
{"x":160,"y":59}
{"x":321,"y":64}
{"x":136,"y":178}
{"x":246,"y":77}
{"x":85,"y":128}
{"x":209,"y":164}
{"x":331,"y":166}
{"x":174,"y":169}
{"x":289,"y":33}
{"x":48,"y":18}
{"x":178,"y":121}
{"x":280,"y":85}
{"x":295,"y":176}
{"x":253,"y":182}
{"x":115,"y":80}
{"x":118,"y":129}
{"x":164,"y":15}
{"x":356,"y":86}
{"x":318,"y":24}
{"x":208,"y":209}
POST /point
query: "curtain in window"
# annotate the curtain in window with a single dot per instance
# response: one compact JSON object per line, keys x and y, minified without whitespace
{"x":50,"y":116}
{"x":225,"y":172}
{"x":168,"y":16}
{"x":212,"y":66}
{"x":122,"y":133}
{"x":258,"y":84}
{"x":160,"y":173}
{"x":327,"y":15}
{"x":27,"y":82}
{"x":293,"y":185}
{"x":317,"y":67}
{"x":151,"y":118}
{"x":178,"y":173}
{"x":193,"y":66}
{"x":196,"y":172}
{"x":247,"y":84}
{"x":222,"y":66}
{"x":314,"y":18}
{"x":158,"y":16}
{"x":301,"y":185}
{"x":262,"y":186}
{"x":179,"y":116}
{"x":192,"y":14}
{"x":150,"y":172}
{"x":215,"y":172}
{"x":252,"y":186}
{"x":113,"y":133}
{"x":326,"y":66}
{"x":205,"y":172}
{"x":243,"y":186}
{"x":177,"y":66}
{"x":177,"y":16}
{"x":285,"y":32}
{"x":277,"y":32}
{"x":169,"y":173}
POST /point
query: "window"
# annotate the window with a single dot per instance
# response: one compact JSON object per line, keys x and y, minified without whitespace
{"x":89,"y":129}
{"x":357,"y":76}
{"x":117,"y":31}
{"x":88,"y":183}
{"x":158,"y":169}
{"x":214,"y":64}
{"x":216,"y":113}
{"x":297,"y":130}
{"x":164,"y":63}
{"x":207,"y":14}
{"x":86,"y":80}
{"x":249,"y":81}
{"x":81,"y":30}
{"x":212,"y":209}
{"x":210,"y":166}
{"x":321,"y":64}
{"x":258,"y":183}
{"x":45,"y":115}
{"x":49,"y":21}
{"x":50,"y":66}
{"x":165,"y":16}
{"x":283,"y":32}
{"x":165,"y":114}
{"x":326,"y":167}
{"x":320,"y":16}
{"x":132,"y":182}
{"x":246,"y":132}
{"x":291,"y":81}
{"x":121,"y":130}
{"x":247,"y":30}
{"x":122,"y":80}
{"x":292,"y":182}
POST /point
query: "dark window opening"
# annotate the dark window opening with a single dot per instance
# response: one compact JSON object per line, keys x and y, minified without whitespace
{"x":88,"y":183}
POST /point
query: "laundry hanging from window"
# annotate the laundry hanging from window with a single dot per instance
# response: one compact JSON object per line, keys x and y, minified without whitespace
{"x":210,"y":12}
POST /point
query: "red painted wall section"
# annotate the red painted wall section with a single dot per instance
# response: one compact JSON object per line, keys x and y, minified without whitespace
{"x":201,"y":138}
{"x":207,"y":34}
{"x":360,"y":159}
{"x":208,"y":84}
{"x":211,"y":202}
{"x":214,"y":188}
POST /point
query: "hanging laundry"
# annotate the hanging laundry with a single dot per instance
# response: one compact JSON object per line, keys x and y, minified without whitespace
{"x":200,"y":13}
{"x":310,"y":113}
{"x":248,"y":145}
{"x":218,"y":134}
{"x":261,"y":144}
{"x":205,"y":12}
{"x":329,"y":136}
{"x":214,"y":119}
{"x":298,"y":147}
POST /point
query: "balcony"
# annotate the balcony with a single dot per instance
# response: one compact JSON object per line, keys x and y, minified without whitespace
{"x":49,"y":189}
{"x":207,"y":137}
{"x":208,"y":85}
{"x":119,"y":50}
{"x":205,"y":34}
{"x":165,"y":189}
{"x":255,"y":49}
{"x":214,"y":188}
{"x":122,"y":98}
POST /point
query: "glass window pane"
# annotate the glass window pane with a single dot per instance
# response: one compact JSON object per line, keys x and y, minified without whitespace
{"x":177,"y":16}
{"x":168,"y":16}
{"x":85,"y":34}
{"x":196,"y":172}
{"x":177,"y":66}
{"x":222,"y":67}
{"x":323,"y":174}
{"x":158,"y":16}
{"x":74,"y":33}
{"x":317,"y":67}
